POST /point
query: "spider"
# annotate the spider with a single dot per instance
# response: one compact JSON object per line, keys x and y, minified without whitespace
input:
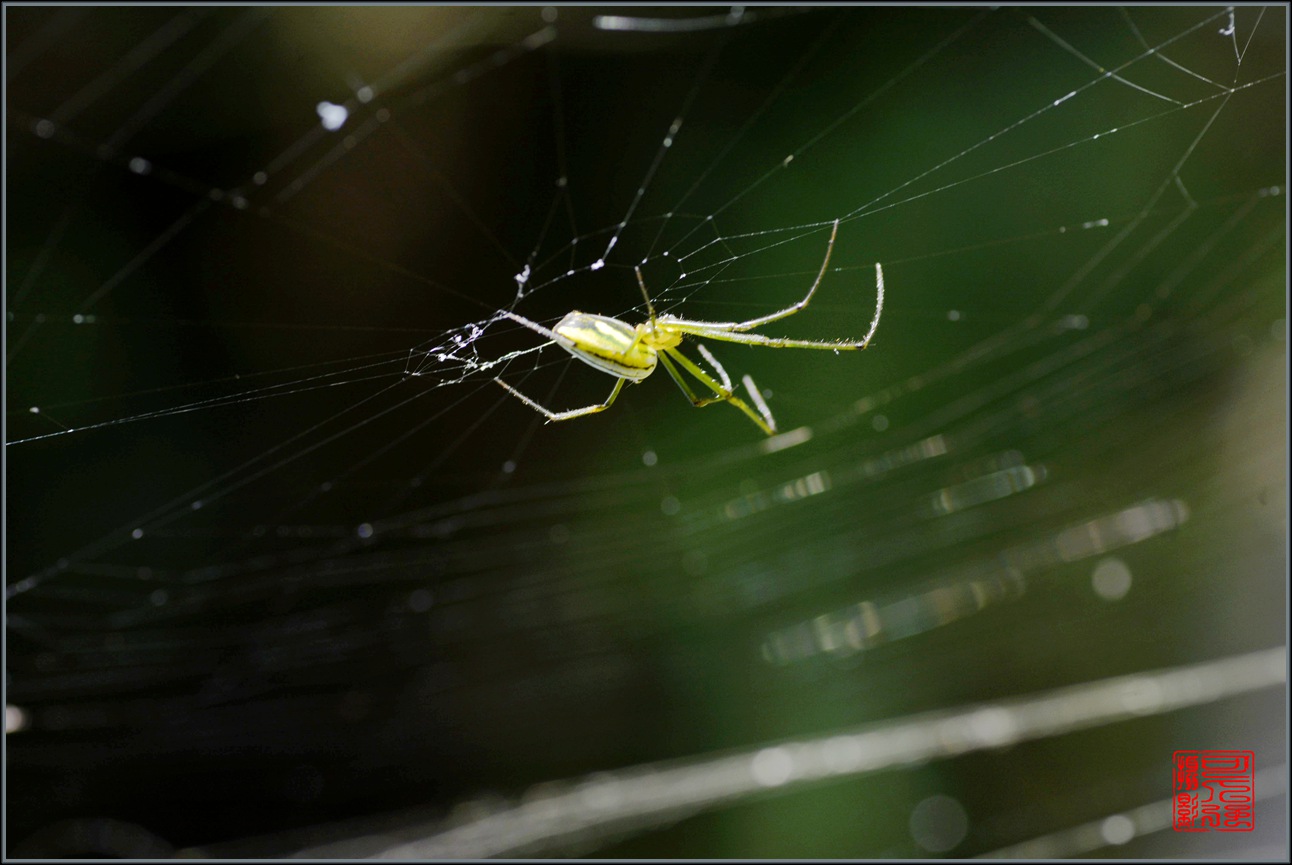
{"x":631,"y":353}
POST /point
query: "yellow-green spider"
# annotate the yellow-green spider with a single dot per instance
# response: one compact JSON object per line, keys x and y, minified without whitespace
{"x":630,"y":353}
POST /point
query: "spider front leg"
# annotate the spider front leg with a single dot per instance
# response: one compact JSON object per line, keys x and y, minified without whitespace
{"x":735,"y":331}
{"x":563,"y":415}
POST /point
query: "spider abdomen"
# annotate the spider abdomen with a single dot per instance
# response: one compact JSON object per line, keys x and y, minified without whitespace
{"x":607,"y":344}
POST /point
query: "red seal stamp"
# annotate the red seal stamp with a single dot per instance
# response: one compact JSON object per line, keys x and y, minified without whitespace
{"x":1213,"y":791}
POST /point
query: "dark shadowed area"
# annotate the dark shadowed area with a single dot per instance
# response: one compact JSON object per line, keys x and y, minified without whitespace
{"x":286,"y":571}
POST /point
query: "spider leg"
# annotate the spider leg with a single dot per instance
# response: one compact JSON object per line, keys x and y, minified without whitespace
{"x":757,"y":397}
{"x":723,"y":392}
{"x":807,"y":298}
{"x":686,"y":388}
{"x":765,"y":420}
{"x":726,"y":332}
{"x":748,"y":385}
{"x":752,"y":323}
{"x":717,"y":367}
{"x":534,"y":326}
{"x":564,"y":415}
{"x":650,"y":307}
{"x":747,"y":380}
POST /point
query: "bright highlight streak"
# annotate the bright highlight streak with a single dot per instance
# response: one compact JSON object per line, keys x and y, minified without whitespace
{"x":624,"y":23}
{"x":565,"y":812}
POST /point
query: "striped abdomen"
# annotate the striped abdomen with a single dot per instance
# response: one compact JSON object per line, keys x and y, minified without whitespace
{"x":606,"y":343}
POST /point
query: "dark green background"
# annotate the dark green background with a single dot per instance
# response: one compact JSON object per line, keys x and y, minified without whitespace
{"x":254,"y":666}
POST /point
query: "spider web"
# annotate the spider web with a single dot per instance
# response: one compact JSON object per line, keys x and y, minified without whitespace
{"x":272,"y":525}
